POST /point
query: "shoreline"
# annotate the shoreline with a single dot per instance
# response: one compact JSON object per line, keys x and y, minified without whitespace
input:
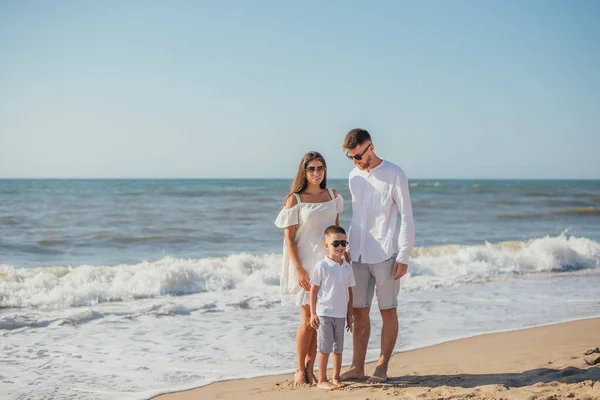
{"x":518,"y":346}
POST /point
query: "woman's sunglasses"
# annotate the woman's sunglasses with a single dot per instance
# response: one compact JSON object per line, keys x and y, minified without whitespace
{"x":358,"y":157}
{"x":320,"y":168}
{"x":337,"y":243}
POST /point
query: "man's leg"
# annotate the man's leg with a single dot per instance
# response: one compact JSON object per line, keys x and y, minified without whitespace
{"x":387,"y":298}
{"x":360,"y":342}
{"x":362,"y":294}
{"x":389,"y":334}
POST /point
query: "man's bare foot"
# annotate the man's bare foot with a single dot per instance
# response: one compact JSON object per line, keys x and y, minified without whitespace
{"x":326,"y":385}
{"x":379,"y":376}
{"x":300,"y":378}
{"x":310,"y":376}
{"x":337,"y":383}
{"x":352,"y":373}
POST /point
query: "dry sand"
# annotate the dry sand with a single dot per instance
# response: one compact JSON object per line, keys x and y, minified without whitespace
{"x":538,"y":363}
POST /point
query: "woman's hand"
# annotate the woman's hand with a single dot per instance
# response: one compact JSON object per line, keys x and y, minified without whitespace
{"x":303,"y":278}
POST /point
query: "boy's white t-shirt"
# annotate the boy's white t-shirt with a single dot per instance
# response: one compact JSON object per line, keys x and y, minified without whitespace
{"x":333,"y":280}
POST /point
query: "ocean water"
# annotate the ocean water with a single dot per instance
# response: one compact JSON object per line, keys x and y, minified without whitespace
{"x":123,"y":289}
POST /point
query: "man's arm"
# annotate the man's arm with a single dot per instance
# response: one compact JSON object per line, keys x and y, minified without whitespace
{"x":349,"y":314}
{"x":406,"y":239}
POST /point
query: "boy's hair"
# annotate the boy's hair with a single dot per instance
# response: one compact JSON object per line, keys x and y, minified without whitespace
{"x":332,"y":229}
{"x":355,"y":137}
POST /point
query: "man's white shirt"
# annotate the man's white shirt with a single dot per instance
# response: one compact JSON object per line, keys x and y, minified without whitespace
{"x":378,"y":196}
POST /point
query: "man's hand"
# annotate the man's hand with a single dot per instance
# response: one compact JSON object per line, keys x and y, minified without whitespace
{"x":314,"y":321}
{"x":399,"y":270}
{"x":349,"y":321}
{"x":303,"y":278}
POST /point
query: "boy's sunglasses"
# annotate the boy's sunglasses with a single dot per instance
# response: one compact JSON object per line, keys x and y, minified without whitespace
{"x":358,"y":157}
{"x":313,"y":169}
{"x":336,"y":243}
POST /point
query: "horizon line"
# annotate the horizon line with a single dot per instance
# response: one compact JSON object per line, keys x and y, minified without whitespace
{"x":288,"y":178}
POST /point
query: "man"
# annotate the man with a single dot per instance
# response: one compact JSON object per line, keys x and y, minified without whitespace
{"x":379,"y":248}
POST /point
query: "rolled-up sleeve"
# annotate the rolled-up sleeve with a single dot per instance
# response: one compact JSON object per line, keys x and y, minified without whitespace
{"x":406,"y":239}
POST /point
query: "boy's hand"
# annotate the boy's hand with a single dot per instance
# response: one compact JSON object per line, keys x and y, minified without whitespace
{"x":314,"y":321}
{"x":349,"y":322}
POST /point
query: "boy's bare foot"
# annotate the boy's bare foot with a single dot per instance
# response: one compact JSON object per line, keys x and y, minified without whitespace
{"x":311,"y":378}
{"x":326,"y":385}
{"x":300,"y":378}
{"x":352,"y":373}
{"x":337,"y":383}
{"x":379,"y":376}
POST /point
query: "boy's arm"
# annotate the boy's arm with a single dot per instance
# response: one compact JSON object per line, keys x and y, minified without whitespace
{"x":314,"y":320}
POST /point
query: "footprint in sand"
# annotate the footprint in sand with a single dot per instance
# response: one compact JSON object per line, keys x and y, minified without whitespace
{"x":591,"y":351}
{"x":593,"y":356}
{"x":593,"y":359}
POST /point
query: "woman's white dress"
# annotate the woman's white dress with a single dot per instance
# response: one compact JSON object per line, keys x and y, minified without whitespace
{"x":312,"y":219}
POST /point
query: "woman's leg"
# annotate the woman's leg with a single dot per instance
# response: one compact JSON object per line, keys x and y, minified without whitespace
{"x":304,"y":336}
{"x":310,"y":359}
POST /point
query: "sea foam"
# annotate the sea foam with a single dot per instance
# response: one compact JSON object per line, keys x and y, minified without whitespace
{"x":430,"y":267}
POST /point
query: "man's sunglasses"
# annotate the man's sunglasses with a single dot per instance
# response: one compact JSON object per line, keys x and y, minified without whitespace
{"x":313,"y":169}
{"x":337,"y":243}
{"x":358,"y":157}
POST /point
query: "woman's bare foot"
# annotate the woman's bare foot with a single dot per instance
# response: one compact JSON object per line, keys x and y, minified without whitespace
{"x":379,"y":376}
{"x":326,"y":385}
{"x":337,"y":383}
{"x":300,"y":378}
{"x":352,"y":373}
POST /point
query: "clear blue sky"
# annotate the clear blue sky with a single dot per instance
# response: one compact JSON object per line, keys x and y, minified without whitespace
{"x":448,"y":89}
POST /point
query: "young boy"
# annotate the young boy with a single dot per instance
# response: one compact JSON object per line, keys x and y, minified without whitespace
{"x":331,"y":304}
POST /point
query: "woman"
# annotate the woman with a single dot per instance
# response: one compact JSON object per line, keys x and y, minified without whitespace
{"x":309,"y":209}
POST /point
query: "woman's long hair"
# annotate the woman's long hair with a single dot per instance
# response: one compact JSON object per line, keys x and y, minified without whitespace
{"x":300,"y":182}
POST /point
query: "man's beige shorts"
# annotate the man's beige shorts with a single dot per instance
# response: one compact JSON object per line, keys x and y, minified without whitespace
{"x":375,"y":278}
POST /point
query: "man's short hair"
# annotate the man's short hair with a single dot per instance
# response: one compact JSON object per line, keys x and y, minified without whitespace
{"x":355,"y":138}
{"x":333,"y":229}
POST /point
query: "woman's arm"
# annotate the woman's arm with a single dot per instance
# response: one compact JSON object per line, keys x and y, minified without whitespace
{"x":314,"y":320}
{"x":289,"y":238}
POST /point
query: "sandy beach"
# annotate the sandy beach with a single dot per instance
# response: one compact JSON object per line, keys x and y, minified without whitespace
{"x":552,"y":362}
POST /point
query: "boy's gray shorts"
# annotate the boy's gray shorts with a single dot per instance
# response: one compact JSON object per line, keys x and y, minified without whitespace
{"x":330,"y":335}
{"x":375,"y":278}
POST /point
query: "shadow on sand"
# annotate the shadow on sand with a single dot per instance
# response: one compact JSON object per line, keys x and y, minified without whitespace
{"x":509,"y":380}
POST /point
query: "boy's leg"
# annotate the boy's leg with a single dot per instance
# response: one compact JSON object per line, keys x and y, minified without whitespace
{"x":325,"y":346}
{"x":323,"y":381}
{"x":336,"y":359}
{"x":338,"y":348}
